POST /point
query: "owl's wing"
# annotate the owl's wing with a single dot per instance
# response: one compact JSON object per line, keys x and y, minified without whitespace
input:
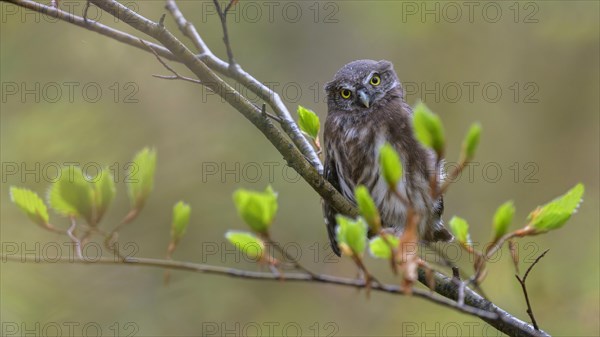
{"x":330,"y":174}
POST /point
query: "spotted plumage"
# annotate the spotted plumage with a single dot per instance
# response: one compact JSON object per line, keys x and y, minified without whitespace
{"x":366,"y":108}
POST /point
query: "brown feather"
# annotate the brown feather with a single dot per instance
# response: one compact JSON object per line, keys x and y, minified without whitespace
{"x":353,"y":134}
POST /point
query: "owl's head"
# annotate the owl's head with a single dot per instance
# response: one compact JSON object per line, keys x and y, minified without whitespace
{"x":363,"y":85}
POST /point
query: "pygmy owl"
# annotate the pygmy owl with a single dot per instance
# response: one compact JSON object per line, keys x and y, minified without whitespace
{"x":366,"y":108}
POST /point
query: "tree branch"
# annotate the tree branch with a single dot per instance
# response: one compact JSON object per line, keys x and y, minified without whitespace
{"x":175,"y":75}
{"x":290,"y":153}
{"x":248,"y":81}
{"x":295,"y":159}
{"x":505,"y":322}
{"x":247,"y":274}
{"x":93,"y":26}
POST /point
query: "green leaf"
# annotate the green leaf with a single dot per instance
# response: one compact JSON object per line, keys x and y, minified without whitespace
{"x":30,"y":203}
{"x":503,"y":218}
{"x":351,"y":235}
{"x":471,"y":141}
{"x":428,"y":128}
{"x":391,"y":166}
{"x":555,"y":213}
{"x":141,"y":176}
{"x":308,"y":122}
{"x":367,"y":208}
{"x":460,"y":229}
{"x":381,"y":249}
{"x":247,"y":243}
{"x":257,"y":209}
{"x":104,"y":193}
{"x":73,"y":195}
{"x":181,"y":220}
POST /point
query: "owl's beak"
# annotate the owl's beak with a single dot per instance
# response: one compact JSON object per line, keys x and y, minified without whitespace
{"x":364,"y":98}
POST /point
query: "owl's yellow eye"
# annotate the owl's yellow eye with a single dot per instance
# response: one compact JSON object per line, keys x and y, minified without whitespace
{"x":345,"y":93}
{"x":375,"y":80}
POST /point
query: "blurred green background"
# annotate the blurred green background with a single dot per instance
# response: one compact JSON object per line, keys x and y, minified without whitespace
{"x":534,"y":72}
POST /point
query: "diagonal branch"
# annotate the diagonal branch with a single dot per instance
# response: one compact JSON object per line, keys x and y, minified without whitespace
{"x":91,"y":25}
{"x":321,"y":186}
{"x":248,"y":81}
{"x":291,"y":153}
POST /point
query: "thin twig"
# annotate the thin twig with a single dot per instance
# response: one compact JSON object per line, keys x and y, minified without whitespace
{"x":384,"y":236}
{"x":534,"y":263}
{"x":447,"y":262}
{"x":111,"y":238}
{"x":263,"y":110}
{"x":369,"y":278}
{"x":85,"y":10}
{"x":287,"y":256}
{"x":524,"y":287}
{"x":275,"y":271}
{"x":229,"y":5}
{"x":92,"y":26}
{"x":223,"y":17}
{"x":476,"y":286}
{"x":176,"y":75}
{"x":498,"y":244}
{"x":245,"y":274}
{"x":74,"y":239}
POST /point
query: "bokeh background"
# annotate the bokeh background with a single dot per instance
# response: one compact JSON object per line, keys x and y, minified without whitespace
{"x":534,"y":72}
